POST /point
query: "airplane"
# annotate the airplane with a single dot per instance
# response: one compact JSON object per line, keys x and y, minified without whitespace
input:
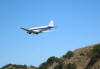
{"x":37,"y":30}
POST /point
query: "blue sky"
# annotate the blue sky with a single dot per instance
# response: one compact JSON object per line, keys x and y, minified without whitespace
{"x":77,"y":25}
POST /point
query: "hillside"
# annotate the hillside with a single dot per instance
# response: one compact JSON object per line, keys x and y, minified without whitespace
{"x":85,"y":58}
{"x":82,"y":58}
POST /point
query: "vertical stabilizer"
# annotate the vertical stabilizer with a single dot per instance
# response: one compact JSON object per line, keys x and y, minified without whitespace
{"x":51,"y":24}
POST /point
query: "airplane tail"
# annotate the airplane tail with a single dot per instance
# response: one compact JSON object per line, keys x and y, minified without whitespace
{"x":51,"y":24}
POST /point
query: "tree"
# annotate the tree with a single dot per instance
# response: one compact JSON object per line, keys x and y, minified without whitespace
{"x":69,"y":54}
{"x":49,"y":62}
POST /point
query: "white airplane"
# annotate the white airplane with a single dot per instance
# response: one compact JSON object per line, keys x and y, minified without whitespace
{"x":37,"y":30}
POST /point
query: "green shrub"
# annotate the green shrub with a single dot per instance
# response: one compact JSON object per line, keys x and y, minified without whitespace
{"x":14,"y":65}
{"x":89,"y":67}
{"x":52,"y":59}
{"x":59,"y":66}
{"x":6,"y":66}
{"x":33,"y":67}
{"x":95,"y":52}
{"x":43,"y":66}
{"x":19,"y":66}
{"x":49,"y":62}
{"x":69,"y":55}
{"x":70,"y":66}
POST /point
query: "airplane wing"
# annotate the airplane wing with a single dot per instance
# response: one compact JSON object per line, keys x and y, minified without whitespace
{"x":47,"y":31}
{"x":25,"y":29}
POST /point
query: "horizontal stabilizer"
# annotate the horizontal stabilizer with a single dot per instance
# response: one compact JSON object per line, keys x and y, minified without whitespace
{"x":24,"y":29}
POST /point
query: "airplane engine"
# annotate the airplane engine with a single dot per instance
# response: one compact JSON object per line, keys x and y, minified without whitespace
{"x":29,"y":32}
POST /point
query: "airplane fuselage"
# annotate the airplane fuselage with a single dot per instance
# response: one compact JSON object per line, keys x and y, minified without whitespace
{"x":37,"y":30}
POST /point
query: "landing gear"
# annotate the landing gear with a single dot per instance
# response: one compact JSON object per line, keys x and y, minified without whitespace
{"x":37,"y":33}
